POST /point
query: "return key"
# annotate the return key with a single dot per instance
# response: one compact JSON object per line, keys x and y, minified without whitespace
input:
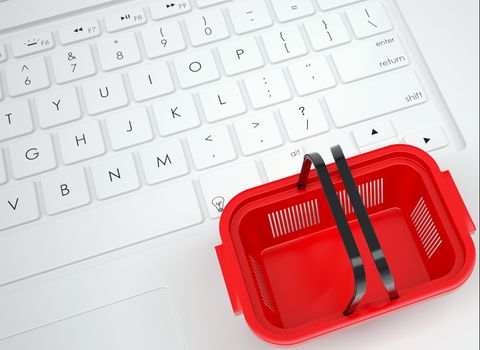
{"x":370,"y":58}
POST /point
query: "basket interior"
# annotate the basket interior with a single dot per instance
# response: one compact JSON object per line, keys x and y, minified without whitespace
{"x":297,"y":264}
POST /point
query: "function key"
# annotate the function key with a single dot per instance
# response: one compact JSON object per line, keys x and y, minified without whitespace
{"x":125,"y":19}
{"x":27,"y":45}
{"x":79,"y":31}
{"x":205,"y":3}
{"x":166,"y":8}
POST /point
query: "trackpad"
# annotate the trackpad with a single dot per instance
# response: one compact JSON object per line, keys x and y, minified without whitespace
{"x":142,"y":322}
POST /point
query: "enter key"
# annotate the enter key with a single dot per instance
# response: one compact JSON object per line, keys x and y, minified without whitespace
{"x":370,"y":58}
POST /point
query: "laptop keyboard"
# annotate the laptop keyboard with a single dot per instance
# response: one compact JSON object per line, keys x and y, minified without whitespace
{"x":200,"y":92}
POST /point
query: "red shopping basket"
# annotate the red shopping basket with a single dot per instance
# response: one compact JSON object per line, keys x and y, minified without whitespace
{"x":302,"y":257}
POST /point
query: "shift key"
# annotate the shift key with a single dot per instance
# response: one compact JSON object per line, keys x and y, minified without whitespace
{"x":374,"y":97}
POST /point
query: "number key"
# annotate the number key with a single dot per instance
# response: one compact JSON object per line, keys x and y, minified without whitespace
{"x":207,"y":27}
{"x":73,"y":63}
{"x":26,"y":76}
{"x":118,"y":51}
{"x":163,"y":39}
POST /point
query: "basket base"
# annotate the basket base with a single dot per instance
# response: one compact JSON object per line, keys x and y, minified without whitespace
{"x":311,"y":277}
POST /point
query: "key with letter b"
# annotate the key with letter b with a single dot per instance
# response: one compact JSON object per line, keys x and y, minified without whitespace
{"x":65,"y":190}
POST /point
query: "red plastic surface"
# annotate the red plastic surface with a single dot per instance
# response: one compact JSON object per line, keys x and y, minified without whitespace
{"x":294,"y":286}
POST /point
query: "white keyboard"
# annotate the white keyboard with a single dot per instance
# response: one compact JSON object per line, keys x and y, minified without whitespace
{"x":197,"y":100}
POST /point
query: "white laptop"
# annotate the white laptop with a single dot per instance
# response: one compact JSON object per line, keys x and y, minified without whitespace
{"x":127,"y":126}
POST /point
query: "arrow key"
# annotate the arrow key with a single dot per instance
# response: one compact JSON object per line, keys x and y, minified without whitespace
{"x":428,"y":140}
{"x":372,"y":133}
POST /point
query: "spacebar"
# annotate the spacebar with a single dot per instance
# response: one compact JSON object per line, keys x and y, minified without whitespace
{"x":106,"y":227}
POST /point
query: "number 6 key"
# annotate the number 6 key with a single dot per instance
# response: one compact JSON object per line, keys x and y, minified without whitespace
{"x":26,"y":76}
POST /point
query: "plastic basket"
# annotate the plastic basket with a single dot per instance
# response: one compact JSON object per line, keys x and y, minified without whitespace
{"x":301,"y":257}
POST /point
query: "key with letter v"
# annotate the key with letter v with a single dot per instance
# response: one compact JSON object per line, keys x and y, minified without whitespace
{"x":18,"y":205}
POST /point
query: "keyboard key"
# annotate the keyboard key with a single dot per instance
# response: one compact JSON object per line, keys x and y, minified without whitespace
{"x":322,"y":144}
{"x":330,"y":4}
{"x":81,"y":141}
{"x":327,"y":31}
{"x":286,"y":162}
{"x":206,"y":27}
{"x":118,"y":51}
{"x":125,"y":19}
{"x":368,"y":99}
{"x":163,"y":39}
{"x":240,"y":55}
{"x":311,"y":75}
{"x":32,"y":156}
{"x":220,"y":186}
{"x":371,"y":58}
{"x":3,"y":53}
{"x":78,"y":31}
{"x":164,"y":8}
{"x":211,"y":146}
{"x":369,"y":19}
{"x":115,"y":176}
{"x":78,"y":237}
{"x":304,"y":119}
{"x":249,"y":15}
{"x":286,"y":10}
{"x":18,"y":205}
{"x":176,"y":114}
{"x":428,"y":140}
{"x":73,"y":63}
{"x":222,"y":101}
{"x":129,"y":127}
{"x":205,"y":3}
{"x":3,"y":171}
{"x":376,"y":132}
{"x":65,"y":190}
{"x":104,"y":94}
{"x":283,"y":44}
{"x":258,"y":133}
{"x":163,"y":161}
{"x":267,"y":88}
{"x":32,"y":43}
{"x":57,"y":107}
{"x":150,"y":81}
{"x":26,"y":76}
{"x":15,"y":119}
{"x":196,"y":68}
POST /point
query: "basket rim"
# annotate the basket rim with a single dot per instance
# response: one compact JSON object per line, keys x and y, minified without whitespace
{"x":236,"y":282}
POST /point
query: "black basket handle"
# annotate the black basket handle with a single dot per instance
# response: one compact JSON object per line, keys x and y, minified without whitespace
{"x":360,"y":286}
{"x":365,"y":223}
